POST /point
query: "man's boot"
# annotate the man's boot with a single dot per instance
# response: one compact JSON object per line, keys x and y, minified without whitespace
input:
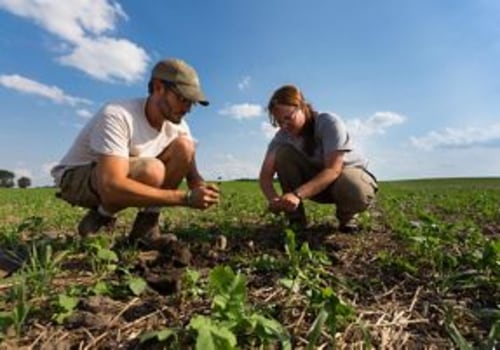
{"x":93,"y":221}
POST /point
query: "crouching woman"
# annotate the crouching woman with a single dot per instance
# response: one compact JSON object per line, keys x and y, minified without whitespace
{"x":313,"y":157}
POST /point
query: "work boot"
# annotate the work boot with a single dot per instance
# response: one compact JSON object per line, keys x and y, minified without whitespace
{"x":349,"y":225}
{"x":146,"y":232}
{"x":146,"y":226}
{"x":93,"y":221}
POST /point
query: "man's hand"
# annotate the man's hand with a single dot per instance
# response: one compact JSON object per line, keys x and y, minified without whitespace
{"x":203,"y":197}
{"x":290,"y":202}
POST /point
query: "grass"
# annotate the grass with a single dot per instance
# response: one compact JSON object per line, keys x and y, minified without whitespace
{"x":425,"y":272}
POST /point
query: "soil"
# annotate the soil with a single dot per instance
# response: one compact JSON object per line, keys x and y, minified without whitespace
{"x":393,"y":309}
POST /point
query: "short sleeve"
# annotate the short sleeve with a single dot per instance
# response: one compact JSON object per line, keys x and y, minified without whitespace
{"x":333,"y":134}
{"x":110,"y":135}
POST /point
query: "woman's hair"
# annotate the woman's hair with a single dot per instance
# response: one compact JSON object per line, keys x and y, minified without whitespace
{"x":290,"y":95}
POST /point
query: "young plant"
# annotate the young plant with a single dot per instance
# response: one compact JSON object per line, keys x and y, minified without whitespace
{"x":18,"y":315}
{"x":41,"y":267}
{"x":232,"y":316}
{"x":162,"y":336}
{"x":102,"y":259}
{"x":66,"y":305}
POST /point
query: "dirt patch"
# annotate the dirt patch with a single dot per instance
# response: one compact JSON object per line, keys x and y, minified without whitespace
{"x":393,"y":309}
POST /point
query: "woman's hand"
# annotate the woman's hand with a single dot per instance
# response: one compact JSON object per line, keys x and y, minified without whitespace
{"x":275,"y":206}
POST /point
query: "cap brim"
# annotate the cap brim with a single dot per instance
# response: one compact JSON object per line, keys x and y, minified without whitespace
{"x":193,"y":94}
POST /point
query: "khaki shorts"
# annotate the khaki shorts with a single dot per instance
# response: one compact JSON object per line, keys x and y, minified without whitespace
{"x":78,"y":186}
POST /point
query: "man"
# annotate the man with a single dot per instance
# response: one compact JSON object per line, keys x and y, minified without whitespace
{"x":135,"y":153}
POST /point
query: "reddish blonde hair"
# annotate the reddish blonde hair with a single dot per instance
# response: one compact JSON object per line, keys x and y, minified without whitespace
{"x":289,"y":95}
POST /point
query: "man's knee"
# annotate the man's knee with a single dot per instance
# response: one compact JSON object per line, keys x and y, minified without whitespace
{"x":150,"y":171}
{"x":183,"y":147}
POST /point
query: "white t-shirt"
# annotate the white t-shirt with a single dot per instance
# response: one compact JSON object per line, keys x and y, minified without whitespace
{"x":119,"y":129}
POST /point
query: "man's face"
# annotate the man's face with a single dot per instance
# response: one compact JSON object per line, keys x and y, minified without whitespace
{"x":173,"y":106}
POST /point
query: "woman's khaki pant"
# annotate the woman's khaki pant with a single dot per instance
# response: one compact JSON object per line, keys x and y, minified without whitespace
{"x":352,"y":192}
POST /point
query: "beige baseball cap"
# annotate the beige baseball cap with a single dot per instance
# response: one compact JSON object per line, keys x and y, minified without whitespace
{"x":184,"y":77}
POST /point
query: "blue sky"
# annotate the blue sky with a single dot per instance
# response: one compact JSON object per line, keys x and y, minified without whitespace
{"x":416,"y":81}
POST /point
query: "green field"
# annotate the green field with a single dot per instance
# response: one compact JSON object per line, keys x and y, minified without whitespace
{"x":423,"y":273}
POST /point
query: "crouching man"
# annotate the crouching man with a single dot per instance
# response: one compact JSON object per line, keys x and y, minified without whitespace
{"x":135,"y":153}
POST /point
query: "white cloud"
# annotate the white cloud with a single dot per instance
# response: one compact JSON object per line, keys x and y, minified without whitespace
{"x":375,"y":124}
{"x":459,"y":138}
{"x":22,"y":84}
{"x":69,"y":20}
{"x":84,"y":113}
{"x":244,"y":83}
{"x":243,"y":111}
{"x":268,"y":129}
{"x":82,"y":25}
{"x":108,"y":59}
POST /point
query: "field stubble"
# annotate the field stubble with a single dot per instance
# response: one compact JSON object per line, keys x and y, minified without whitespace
{"x":423,"y":273}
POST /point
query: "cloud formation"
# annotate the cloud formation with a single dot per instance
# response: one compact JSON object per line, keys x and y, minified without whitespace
{"x":83,"y":25}
{"x":242,"y":111}
{"x":377,"y":123}
{"x":459,"y":138}
{"x":22,"y":84}
{"x":268,"y":129}
{"x":84,"y":113}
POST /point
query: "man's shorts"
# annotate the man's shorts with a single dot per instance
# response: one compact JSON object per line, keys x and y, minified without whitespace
{"x":78,"y":186}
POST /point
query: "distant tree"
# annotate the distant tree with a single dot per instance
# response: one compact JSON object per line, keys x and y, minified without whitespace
{"x":24,"y":182}
{"x":6,"y":178}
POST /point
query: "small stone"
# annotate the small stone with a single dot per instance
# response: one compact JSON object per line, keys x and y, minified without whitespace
{"x":221,"y":242}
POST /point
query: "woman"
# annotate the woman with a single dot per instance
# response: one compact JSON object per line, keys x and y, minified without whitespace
{"x":313,"y":157}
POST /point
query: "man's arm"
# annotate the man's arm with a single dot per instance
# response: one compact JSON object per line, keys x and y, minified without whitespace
{"x":193,"y":177}
{"x":118,"y":191}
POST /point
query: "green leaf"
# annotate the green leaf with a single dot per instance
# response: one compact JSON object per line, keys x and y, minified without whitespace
{"x":67,"y":303}
{"x":107,"y":255}
{"x":160,"y":335}
{"x":101,"y":288}
{"x":455,"y":335}
{"x":270,"y":328}
{"x":137,"y":285}
{"x":315,"y":330}
{"x":205,"y":341}
{"x":5,"y":320}
{"x":212,"y":335}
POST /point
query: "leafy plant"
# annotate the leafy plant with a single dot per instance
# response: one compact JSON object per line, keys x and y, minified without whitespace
{"x":41,"y":267}
{"x":19,"y":313}
{"x":102,"y":259}
{"x":66,"y":305}
{"x":162,"y":336}
{"x":231,"y":316}
{"x":212,"y":335}
{"x":136,"y":284}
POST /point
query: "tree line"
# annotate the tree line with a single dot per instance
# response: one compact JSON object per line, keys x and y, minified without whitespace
{"x":7,"y":180}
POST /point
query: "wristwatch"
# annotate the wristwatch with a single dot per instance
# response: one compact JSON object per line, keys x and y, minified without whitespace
{"x":298,"y":195}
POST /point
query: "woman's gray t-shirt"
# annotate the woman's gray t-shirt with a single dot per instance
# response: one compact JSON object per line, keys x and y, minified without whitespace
{"x":330,"y":135}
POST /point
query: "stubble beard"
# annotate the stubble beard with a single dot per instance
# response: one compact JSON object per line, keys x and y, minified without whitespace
{"x":168,"y":115}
